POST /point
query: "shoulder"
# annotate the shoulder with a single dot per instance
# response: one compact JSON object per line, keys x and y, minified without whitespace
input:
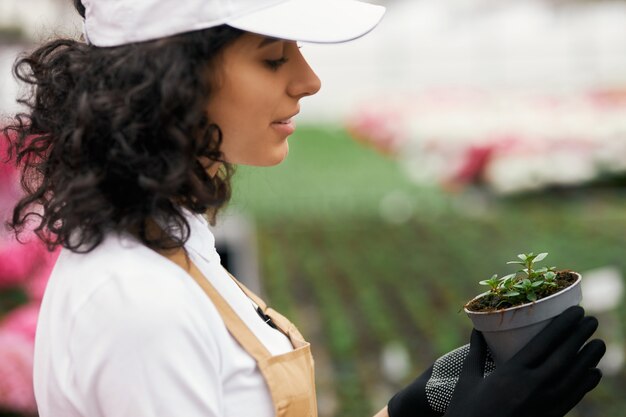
{"x":119,"y":265}
{"x":122,"y":290}
{"x":139,"y":319}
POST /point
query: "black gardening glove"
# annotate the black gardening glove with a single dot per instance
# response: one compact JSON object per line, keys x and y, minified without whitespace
{"x":546,"y":378}
{"x":430,"y":394}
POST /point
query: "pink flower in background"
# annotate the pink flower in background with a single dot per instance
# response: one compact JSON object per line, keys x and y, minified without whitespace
{"x":16,"y":369}
{"x":9,"y":184}
{"x":475,"y":160}
{"x":504,"y":141}
{"x":26,"y":266}
{"x":383,"y":128}
{"x":608,"y":98}
{"x":36,"y":285}
{"x":29,"y":265}
{"x":18,"y":262}
{"x":22,"y":321}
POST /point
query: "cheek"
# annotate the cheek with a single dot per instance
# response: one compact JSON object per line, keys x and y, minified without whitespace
{"x":245,"y":117}
{"x":241,"y":105}
{"x":240,"y":123}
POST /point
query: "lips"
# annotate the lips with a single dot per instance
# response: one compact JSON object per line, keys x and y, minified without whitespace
{"x":284,"y":127}
{"x":283,"y":122}
{"x":287,"y":120}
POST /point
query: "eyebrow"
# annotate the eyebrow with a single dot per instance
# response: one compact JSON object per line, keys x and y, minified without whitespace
{"x":268,"y":40}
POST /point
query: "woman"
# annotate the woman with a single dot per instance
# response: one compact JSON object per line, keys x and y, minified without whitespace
{"x":129,"y":146}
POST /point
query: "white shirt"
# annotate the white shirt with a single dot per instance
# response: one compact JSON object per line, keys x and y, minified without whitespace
{"x":124,"y":331}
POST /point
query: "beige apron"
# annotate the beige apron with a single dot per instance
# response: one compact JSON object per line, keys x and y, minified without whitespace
{"x":290,"y":377}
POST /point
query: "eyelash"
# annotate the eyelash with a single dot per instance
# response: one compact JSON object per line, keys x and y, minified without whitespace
{"x":275,"y":64}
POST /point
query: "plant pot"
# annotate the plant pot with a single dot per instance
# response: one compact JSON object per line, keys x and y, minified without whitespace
{"x":506,"y":331}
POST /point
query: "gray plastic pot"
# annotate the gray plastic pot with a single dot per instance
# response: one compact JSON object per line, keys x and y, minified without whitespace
{"x":506,"y":331}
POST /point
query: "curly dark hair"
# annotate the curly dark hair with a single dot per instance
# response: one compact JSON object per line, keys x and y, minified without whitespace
{"x":116,"y":137}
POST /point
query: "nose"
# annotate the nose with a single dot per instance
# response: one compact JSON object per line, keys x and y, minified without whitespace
{"x":304,"y":82}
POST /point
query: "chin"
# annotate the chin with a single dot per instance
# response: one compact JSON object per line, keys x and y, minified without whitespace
{"x":264,"y":157}
{"x":278,"y":160}
{"x":279,"y":156}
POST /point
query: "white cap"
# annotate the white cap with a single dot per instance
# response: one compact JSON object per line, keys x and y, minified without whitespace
{"x":119,"y":22}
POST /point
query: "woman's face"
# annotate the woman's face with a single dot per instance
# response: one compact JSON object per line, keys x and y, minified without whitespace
{"x":256,"y":94}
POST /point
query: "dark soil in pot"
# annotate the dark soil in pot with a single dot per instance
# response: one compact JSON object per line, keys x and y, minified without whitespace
{"x":491,"y":302}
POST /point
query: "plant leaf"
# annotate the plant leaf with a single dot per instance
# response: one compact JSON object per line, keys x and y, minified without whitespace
{"x":531,"y":296}
{"x":537,"y":284}
{"x":511,"y":294}
{"x":541,"y":257}
{"x":506,"y":277}
{"x":516,"y":263}
{"x":507,"y":281}
{"x":522,"y":256}
{"x":550,"y":276}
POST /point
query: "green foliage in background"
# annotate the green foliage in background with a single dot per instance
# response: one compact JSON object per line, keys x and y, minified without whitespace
{"x":355,"y":281}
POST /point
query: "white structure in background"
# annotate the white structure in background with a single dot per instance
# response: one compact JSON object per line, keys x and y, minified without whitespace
{"x":8,"y":87}
{"x":235,"y":241}
{"x":505,"y":141}
{"x":496,"y":44}
{"x":603,"y":291}
{"x":38,"y":20}
{"x":529,"y":45}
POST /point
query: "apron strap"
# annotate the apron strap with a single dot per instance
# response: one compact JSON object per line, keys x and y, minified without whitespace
{"x":249,"y":293}
{"x":283,"y":324}
{"x":237,"y":328}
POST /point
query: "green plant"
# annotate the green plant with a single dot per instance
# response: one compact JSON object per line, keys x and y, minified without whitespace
{"x":525,"y":285}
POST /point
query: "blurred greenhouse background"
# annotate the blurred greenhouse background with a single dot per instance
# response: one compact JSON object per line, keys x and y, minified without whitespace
{"x":456,"y":135}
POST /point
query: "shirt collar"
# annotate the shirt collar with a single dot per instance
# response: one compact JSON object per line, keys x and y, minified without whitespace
{"x":201,"y":239}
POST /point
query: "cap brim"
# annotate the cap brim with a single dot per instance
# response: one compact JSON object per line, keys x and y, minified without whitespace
{"x":316,"y":21}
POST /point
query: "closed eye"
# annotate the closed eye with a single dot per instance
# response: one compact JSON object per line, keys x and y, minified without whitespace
{"x":275,"y":64}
